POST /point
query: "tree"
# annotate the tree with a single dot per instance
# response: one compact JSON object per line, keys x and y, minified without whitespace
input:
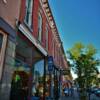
{"x":84,"y":65}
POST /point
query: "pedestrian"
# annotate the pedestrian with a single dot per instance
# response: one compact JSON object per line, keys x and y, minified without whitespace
{"x":66,"y":91}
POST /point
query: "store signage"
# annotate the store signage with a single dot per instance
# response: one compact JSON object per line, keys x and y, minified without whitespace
{"x":50,"y":63}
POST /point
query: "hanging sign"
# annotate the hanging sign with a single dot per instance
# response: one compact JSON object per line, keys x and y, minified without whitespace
{"x":50,"y":63}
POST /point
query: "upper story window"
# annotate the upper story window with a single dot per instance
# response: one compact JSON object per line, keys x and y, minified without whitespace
{"x":28,"y":16}
{"x":46,"y":37}
{"x":39,"y":27}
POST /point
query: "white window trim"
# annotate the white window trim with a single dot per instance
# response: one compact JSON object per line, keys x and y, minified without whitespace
{"x":2,"y":52}
{"x":40,"y":27}
{"x":29,"y":23}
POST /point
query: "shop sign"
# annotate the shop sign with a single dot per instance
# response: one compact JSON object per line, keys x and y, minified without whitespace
{"x":50,"y":63}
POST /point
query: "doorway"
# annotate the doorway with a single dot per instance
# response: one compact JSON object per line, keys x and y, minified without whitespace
{"x":19,"y":86}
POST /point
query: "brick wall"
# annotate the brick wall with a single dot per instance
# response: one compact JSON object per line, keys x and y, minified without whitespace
{"x":10,"y":11}
{"x":51,"y":40}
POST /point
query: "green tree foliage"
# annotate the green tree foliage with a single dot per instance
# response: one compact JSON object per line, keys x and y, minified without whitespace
{"x":84,"y":64}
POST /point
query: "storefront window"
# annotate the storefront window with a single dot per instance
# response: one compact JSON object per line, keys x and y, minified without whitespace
{"x":20,"y":78}
{"x":38,"y":76}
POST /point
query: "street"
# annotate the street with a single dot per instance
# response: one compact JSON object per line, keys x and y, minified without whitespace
{"x":76,"y":97}
{"x":94,"y":97}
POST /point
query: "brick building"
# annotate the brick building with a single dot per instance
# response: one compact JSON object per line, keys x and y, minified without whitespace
{"x":28,"y":36}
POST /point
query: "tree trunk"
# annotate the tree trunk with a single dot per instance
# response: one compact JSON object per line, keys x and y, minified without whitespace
{"x":83,"y":95}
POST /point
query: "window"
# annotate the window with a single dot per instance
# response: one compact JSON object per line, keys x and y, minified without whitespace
{"x":39,"y":27}
{"x":47,"y":37}
{"x":28,"y":16}
{"x":3,"y":41}
{"x":38,"y":79}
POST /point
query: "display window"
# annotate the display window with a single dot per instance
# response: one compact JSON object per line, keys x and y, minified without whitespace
{"x":20,"y":78}
{"x":38,"y":79}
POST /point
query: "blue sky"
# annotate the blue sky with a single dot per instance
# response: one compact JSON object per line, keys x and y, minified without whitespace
{"x":77,"y":21}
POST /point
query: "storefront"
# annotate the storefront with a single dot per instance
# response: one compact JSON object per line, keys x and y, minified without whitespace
{"x":29,"y":69}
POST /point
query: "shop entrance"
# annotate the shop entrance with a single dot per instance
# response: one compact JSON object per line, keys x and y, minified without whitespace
{"x":19,"y":88}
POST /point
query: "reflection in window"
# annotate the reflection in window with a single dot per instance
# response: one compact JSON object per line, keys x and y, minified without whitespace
{"x":37,"y":89}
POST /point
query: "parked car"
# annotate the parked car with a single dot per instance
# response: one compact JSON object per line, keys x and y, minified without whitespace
{"x":97,"y":92}
{"x":93,"y":90}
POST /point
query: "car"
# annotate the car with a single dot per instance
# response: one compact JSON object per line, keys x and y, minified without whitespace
{"x":92,"y":90}
{"x":97,"y":92}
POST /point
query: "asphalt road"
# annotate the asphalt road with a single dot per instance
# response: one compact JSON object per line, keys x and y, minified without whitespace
{"x":94,"y":97}
{"x":76,"y":97}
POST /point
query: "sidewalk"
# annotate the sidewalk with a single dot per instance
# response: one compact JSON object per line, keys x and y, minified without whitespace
{"x":74,"y":97}
{"x":69,"y":98}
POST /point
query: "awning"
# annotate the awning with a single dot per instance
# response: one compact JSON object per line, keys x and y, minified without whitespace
{"x":29,"y":35}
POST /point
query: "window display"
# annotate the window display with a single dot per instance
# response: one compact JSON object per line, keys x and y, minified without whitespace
{"x":20,"y":78}
{"x":38,"y":76}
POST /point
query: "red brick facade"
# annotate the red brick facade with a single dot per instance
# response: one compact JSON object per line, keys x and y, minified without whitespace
{"x":53,"y":43}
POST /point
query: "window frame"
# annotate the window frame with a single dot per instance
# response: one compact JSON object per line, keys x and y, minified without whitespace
{"x":28,"y":15}
{"x":2,"y":51}
{"x":40,"y":29}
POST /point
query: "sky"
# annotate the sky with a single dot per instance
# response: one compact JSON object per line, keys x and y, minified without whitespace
{"x":77,"y":21}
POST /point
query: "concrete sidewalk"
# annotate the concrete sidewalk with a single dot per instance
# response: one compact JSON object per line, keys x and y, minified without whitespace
{"x":75,"y":96}
{"x":69,"y":98}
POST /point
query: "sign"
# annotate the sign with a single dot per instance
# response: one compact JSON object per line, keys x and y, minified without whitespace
{"x":50,"y":63}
